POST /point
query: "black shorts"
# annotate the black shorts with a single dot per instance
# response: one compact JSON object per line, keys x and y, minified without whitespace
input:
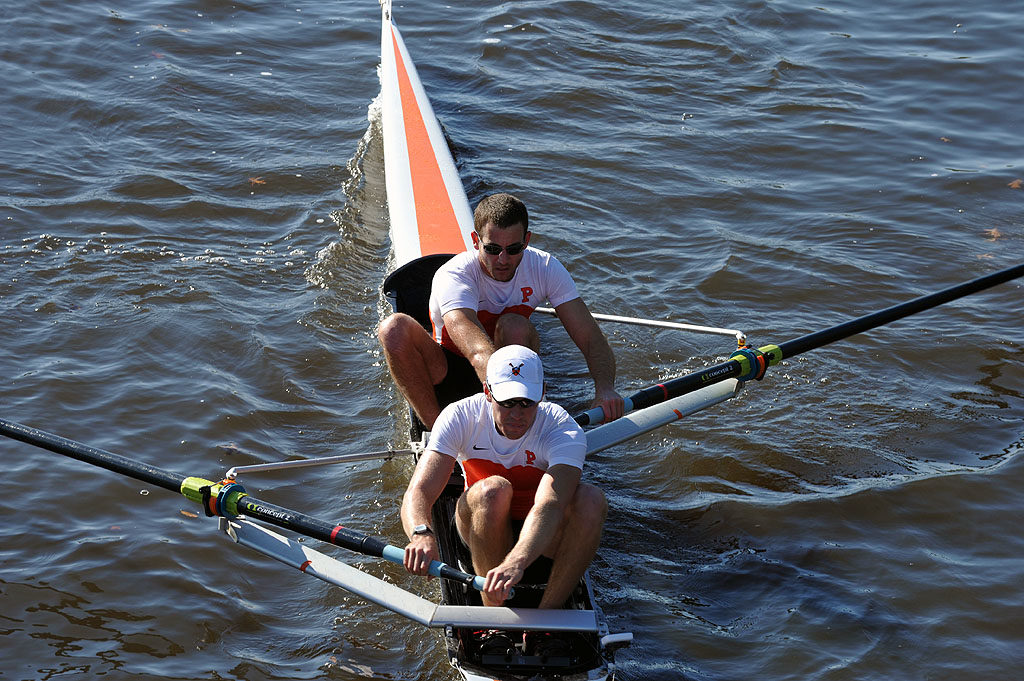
{"x":460,"y":381}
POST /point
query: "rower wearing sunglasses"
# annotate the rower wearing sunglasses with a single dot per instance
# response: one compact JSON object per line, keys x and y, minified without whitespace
{"x":481,"y":300}
{"x":524,"y":504}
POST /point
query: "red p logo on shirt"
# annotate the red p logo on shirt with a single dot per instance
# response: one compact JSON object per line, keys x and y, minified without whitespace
{"x":530,"y":457}
{"x":527,"y":292}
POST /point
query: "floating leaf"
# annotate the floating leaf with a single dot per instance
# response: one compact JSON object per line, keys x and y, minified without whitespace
{"x":256,"y":180}
{"x":189,"y":514}
{"x":946,"y":140}
{"x":1016,"y":184}
{"x":993,"y":234}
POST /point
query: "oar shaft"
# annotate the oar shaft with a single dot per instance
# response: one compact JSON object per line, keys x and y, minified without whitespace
{"x":193,"y":488}
{"x":92,"y":455}
{"x":665,"y":391}
{"x":891,"y":314}
{"x":343,"y":537}
{"x":775,"y":353}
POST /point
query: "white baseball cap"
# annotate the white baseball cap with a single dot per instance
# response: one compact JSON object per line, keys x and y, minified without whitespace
{"x":515,"y":371}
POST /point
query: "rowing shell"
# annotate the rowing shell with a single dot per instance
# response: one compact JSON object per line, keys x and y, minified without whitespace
{"x":430,"y":222}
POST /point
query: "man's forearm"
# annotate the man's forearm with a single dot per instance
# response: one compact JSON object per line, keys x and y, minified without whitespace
{"x":539,"y":529}
{"x":415,"y":511}
{"x":470,"y":338}
{"x":601,"y":362}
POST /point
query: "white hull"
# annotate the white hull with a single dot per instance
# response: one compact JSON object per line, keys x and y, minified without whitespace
{"x":427,"y":203}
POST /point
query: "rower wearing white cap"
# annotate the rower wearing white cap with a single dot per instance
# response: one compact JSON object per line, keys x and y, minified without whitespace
{"x":522,"y":459}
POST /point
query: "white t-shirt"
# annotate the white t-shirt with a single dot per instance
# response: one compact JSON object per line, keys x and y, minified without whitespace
{"x":462,"y":283}
{"x":465,"y":430}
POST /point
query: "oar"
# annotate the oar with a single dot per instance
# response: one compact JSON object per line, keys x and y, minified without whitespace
{"x":747,"y":363}
{"x":227,"y":498}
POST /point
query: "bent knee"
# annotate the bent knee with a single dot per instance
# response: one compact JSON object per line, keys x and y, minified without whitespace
{"x":402,"y":333}
{"x":393,"y":327}
{"x":515,"y":329}
{"x":491,"y":491}
{"x":589,"y":501}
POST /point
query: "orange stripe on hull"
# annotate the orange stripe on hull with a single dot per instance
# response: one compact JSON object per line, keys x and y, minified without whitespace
{"x":435,"y":217}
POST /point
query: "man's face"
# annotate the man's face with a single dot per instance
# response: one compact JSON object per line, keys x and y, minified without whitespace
{"x":515,"y":421}
{"x":501,"y":267}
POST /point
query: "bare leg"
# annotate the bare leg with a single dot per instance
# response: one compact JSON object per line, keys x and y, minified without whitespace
{"x":515,"y":329}
{"x":576,"y":544}
{"x":482,"y":517}
{"x":416,"y":362}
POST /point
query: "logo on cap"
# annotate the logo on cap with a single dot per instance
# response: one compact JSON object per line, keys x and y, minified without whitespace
{"x":515,"y":370}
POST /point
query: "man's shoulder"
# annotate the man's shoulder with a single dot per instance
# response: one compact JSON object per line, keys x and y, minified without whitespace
{"x":456,"y":422}
{"x":544,"y":264}
{"x":540,"y":257}
{"x":470,"y":406}
{"x":453,"y":281}
{"x":558,"y":417}
{"x":457,"y":263}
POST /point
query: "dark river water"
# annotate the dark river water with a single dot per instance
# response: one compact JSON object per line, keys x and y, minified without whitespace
{"x":193,"y":234}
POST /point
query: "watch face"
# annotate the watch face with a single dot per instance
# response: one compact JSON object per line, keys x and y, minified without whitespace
{"x":422,"y":529}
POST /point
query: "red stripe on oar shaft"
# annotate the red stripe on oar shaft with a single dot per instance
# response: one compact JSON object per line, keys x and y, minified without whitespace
{"x":335,"y":531}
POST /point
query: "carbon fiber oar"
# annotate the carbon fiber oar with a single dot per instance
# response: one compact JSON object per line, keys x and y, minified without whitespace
{"x":227,"y":498}
{"x":748,"y":363}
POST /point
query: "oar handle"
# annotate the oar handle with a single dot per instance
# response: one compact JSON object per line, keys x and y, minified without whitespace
{"x":437,"y":568}
{"x":594,"y":416}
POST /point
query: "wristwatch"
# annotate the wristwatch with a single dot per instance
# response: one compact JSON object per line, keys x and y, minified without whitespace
{"x":422,"y":529}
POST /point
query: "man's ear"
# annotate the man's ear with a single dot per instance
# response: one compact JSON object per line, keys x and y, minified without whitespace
{"x":487,"y":393}
{"x":476,"y":239}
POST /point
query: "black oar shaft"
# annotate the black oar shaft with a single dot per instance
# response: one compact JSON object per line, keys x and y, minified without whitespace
{"x":254,"y":508}
{"x":203,"y":491}
{"x":685,"y":384}
{"x":891,"y":314}
{"x":310,"y":526}
{"x":775,"y":353}
{"x":92,"y":455}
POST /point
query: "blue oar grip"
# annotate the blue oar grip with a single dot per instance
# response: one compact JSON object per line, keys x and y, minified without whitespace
{"x":437,"y":568}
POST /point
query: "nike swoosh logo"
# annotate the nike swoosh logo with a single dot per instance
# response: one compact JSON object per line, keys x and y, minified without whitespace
{"x":478,"y":448}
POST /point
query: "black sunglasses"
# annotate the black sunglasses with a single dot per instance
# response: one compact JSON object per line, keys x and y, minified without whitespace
{"x":519,"y":402}
{"x":511,"y":249}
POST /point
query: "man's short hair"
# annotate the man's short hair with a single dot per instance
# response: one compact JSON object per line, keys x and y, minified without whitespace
{"x":502,"y":210}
